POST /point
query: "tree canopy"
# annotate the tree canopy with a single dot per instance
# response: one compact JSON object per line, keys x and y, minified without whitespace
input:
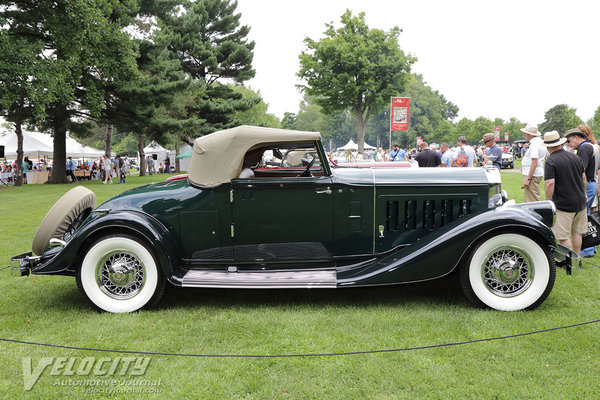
{"x":354,"y":68}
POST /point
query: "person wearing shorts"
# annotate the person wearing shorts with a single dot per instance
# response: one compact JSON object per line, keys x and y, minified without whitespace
{"x":565,"y":184}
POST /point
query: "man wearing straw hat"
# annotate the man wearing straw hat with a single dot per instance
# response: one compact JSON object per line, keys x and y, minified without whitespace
{"x":585,"y":150}
{"x":532,"y":165}
{"x":565,"y":185}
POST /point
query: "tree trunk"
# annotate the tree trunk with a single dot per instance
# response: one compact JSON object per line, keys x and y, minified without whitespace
{"x":108,"y":140}
{"x":59,"y":173}
{"x":18,"y":179}
{"x":177,"y":160}
{"x":361,"y":121}
{"x":142,"y":155}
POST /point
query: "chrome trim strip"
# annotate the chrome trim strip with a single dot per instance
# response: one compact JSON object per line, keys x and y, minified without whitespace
{"x":374,"y":207}
{"x":56,"y":242}
{"x":260,"y":279}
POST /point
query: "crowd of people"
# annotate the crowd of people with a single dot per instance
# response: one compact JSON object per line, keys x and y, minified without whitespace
{"x":459,"y":155}
{"x":104,"y":168}
{"x":568,"y":166}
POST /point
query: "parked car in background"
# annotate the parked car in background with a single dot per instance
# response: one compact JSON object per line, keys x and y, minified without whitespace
{"x":296,"y":221}
{"x":508,"y":160}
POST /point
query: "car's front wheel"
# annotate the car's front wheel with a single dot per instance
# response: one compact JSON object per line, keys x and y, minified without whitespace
{"x":508,"y":272}
{"x":119,"y":274}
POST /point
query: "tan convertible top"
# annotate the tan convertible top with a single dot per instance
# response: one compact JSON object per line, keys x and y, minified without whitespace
{"x":219,"y":157}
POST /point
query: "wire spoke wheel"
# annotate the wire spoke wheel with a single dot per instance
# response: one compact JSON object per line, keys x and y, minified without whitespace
{"x":508,"y":272}
{"x":120,"y":274}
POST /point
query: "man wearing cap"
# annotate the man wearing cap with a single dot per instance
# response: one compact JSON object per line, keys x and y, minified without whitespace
{"x":532,"y":166}
{"x":493,"y":154}
{"x":565,"y":185}
{"x":579,"y":141}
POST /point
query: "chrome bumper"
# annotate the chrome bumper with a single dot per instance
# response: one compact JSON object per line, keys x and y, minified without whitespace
{"x":566,"y":258}
{"x":22,"y":264}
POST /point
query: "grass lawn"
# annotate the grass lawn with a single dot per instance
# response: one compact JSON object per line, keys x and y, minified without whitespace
{"x":558,"y":364}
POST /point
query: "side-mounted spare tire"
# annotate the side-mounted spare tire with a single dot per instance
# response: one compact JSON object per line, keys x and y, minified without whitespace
{"x":61,"y":216}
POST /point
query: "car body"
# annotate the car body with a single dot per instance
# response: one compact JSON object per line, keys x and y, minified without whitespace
{"x":302,"y":223}
{"x":508,"y":160}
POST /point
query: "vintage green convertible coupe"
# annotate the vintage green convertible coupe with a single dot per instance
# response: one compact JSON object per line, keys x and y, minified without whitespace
{"x":263,"y":208}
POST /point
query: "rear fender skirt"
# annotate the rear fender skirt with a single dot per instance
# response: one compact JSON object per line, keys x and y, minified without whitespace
{"x":107,"y":223}
{"x":440,"y":252}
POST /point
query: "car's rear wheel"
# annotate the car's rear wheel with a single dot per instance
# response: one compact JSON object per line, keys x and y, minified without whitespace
{"x":508,"y":272}
{"x":120,"y":274}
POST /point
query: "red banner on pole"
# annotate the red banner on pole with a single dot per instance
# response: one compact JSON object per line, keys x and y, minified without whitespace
{"x":399,"y":117}
{"x":497,"y":132}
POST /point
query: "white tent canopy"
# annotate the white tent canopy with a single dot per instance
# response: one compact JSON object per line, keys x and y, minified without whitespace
{"x":38,"y":145}
{"x":353,"y":146}
{"x":32,"y":146}
{"x":161,"y":152}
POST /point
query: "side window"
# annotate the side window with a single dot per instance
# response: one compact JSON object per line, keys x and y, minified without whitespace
{"x":287,"y":160}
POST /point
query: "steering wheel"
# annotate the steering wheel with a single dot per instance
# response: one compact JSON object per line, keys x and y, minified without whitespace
{"x":307,"y":172}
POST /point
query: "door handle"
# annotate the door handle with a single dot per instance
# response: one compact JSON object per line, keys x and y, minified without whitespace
{"x":326,"y":191}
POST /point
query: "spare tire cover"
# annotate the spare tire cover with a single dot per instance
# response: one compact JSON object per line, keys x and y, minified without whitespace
{"x":61,"y":216}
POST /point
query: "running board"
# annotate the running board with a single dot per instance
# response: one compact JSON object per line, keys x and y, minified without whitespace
{"x":260,"y":279}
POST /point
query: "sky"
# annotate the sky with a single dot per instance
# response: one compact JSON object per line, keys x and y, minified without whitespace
{"x":491,"y":58}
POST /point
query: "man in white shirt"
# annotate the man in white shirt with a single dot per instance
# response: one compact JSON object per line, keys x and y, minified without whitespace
{"x":532,"y":166}
{"x":447,"y":155}
{"x":461,"y":145}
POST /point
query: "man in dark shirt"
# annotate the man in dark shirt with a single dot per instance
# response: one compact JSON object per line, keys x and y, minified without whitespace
{"x":427,"y":158}
{"x":585,"y":150}
{"x":565,"y":185}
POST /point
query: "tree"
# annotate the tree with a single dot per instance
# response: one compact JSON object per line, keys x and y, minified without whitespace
{"x":354,"y":68}
{"x":464,"y":127}
{"x":212,"y":46}
{"x":481,"y":126}
{"x":513,"y":127}
{"x":289,"y":120}
{"x":27,"y":85}
{"x":428,"y":110}
{"x":147,"y":106}
{"x":85,"y":42}
{"x":431,"y":117}
{"x":560,"y":118}
{"x":258,"y":115}
{"x":594,"y":122}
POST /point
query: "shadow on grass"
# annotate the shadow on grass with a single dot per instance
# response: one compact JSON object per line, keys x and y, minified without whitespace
{"x":441,"y":292}
{"x":437,"y":293}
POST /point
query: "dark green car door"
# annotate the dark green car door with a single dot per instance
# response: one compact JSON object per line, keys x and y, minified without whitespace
{"x":282,"y":221}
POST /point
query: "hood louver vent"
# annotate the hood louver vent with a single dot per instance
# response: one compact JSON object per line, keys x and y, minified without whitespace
{"x":410,"y":215}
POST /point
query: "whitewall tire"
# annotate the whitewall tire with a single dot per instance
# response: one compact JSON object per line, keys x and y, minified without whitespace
{"x":119,"y":274}
{"x":508,"y":272}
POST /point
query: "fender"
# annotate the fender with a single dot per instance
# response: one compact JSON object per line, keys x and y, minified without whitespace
{"x":101,"y":223}
{"x":434,"y":258}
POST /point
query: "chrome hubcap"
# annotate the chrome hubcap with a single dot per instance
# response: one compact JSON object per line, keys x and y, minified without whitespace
{"x":507,"y":271}
{"x":120,"y":274}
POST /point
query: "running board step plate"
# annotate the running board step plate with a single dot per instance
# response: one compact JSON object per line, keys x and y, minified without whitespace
{"x":260,"y":279}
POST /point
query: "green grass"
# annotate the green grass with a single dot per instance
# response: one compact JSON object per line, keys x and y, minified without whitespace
{"x":558,"y":364}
